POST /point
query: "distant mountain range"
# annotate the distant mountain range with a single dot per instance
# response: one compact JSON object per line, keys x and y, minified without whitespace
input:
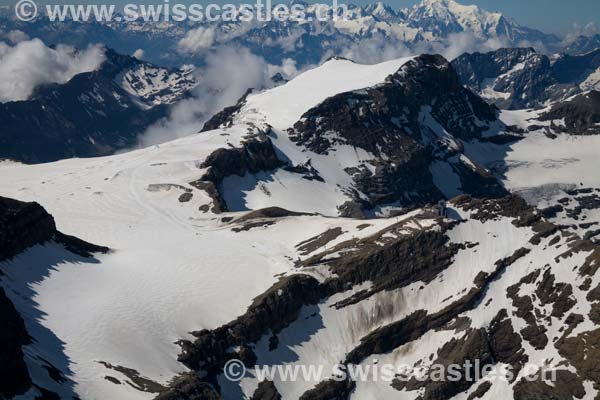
{"x":369,"y":31}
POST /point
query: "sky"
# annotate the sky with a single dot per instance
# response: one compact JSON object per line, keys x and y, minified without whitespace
{"x":551,"y":16}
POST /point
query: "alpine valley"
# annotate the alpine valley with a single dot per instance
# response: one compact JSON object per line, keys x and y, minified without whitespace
{"x":424,"y":208}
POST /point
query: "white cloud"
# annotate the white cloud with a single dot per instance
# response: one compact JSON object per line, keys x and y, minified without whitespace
{"x":287,"y":68}
{"x":14,"y":36}
{"x":228,"y":73}
{"x":375,"y":49}
{"x":196,"y":40}
{"x":31,"y":63}
{"x":379,"y":48}
{"x":466,"y":42}
{"x":139,"y":54}
{"x":577,"y":30}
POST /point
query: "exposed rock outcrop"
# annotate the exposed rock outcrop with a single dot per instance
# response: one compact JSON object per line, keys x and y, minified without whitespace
{"x":256,"y":154}
{"x":513,"y":78}
{"x":23,"y":225}
{"x":579,"y":116}
{"x":412,"y":124}
{"x":270,"y":312}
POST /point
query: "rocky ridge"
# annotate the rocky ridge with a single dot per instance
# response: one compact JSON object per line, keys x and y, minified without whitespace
{"x":24,"y":225}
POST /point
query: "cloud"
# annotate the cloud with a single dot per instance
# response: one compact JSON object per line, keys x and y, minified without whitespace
{"x":196,"y":40}
{"x":31,"y":63}
{"x":228,"y":73}
{"x":287,"y":68}
{"x":14,"y":36}
{"x":577,"y":30}
{"x":375,"y":49}
{"x":465,"y":42}
{"x":229,"y":70}
{"x":139,"y":54}
{"x":380,"y":48}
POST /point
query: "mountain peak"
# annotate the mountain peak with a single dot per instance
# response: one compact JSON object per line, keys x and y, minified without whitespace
{"x":382,"y":11}
{"x":448,"y":16}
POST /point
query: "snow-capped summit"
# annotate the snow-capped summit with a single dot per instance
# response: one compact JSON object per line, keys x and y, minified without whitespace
{"x":383,"y":12}
{"x":444,"y":17}
{"x":425,"y":26}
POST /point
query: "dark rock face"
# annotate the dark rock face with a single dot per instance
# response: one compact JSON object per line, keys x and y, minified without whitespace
{"x":481,"y":390}
{"x":271,"y":311}
{"x":14,"y":376}
{"x":256,"y":154}
{"x":91,"y":115}
{"x":329,"y":390}
{"x":534,"y":333}
{"x":525,"y":78}
{"x":394,"y":265}
{"x":266,"y":390}
{"x":189,"y":387}
{"x":505,"y":343}
{"x":270,"y":212}
{"x":574,"y":68}
{"x":419,"y":322}
{"x":224,"y":118}
{"x":581,"y":115}
{"x":583,"y":45}
{"x":23,"y":225}
{"x":566,"y":386}
{"x":389,"y":109}
{"x":472,"y":349}
{"x":401,"y":123}
{"x":528,"y":78}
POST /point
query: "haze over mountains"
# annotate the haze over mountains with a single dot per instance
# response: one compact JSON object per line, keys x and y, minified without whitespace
{"x":296,"y":220}
{"x":367,"y":34}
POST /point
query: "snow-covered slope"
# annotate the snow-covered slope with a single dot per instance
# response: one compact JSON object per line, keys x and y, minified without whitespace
{"x":370,"y":306}
{"x":548,"y":166}
{"x":139,"y":201}
{"x":284,"y":105}
{"x":342,"y":146}
{"x":173,"y":268}
{"x":192,"y":279}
